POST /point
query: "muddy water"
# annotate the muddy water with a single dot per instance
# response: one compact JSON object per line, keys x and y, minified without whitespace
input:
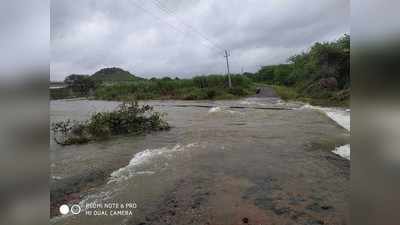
{"x":217,"y":166}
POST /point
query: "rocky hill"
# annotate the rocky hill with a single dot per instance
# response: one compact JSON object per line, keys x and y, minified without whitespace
{"x":114,"y":74}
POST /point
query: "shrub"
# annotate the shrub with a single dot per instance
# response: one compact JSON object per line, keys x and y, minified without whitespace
{"x":237,"y":91}
{"x":211,"y":94}
{"x":128,"y":118}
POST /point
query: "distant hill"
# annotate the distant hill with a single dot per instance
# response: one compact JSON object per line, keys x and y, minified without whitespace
{"x":114,"y":74}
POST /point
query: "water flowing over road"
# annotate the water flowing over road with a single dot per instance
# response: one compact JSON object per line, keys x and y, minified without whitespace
{"x":223,"y":162}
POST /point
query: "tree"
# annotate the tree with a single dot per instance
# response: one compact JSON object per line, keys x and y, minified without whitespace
{"x":80,"y":83}
{"x":322,"y":61}
{"x":73,"y":78}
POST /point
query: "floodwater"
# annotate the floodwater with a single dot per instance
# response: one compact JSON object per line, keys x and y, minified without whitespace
{"x":341,"y":117}
{"x":217,"y":165}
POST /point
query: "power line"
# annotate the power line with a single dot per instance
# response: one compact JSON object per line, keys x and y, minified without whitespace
{"x":157,"y":17}
{"x":165,"y":9}
{"x":204,"y":37}
{"x":170,"y":25}
{"x":192,"y":28}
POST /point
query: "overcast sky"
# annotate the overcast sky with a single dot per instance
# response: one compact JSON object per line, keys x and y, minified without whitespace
{"x":187,"y":37}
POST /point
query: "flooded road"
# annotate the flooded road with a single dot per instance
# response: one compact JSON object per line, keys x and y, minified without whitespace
{"x":223,"y":162}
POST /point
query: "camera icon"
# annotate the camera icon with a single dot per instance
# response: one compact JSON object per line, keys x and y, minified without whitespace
{"x":75,"y":209}
{"x":65,"y":209}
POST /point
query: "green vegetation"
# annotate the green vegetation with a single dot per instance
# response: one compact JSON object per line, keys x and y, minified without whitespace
{"x":61,"y":93}
{"x":198,"y":88}
{"x":286,"y":93}
{"x":129,"y":118}
{"x":320,"y":76}
{"x":117,"y":84}
{"x":77,"y":86}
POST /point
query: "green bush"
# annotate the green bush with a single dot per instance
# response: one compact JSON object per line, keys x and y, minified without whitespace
{"x":211,"y":93}
{"x":237,"y":91}
{"x":128,"y":118}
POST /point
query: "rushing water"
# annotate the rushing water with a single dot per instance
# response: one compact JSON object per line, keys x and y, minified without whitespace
{"x":216,"y":165}
{"x":341,"y":117}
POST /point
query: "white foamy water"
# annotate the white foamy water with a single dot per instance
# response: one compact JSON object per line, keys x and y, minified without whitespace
{"x":251,"y":101}
{"x":343,"y":151}
{"x":144,"y":157}
{"x":341,"y":117}
{"x":215,"y":109}
{"x":56,"y":177}
{"x":218,"y":109}
{"x":267,"y":101}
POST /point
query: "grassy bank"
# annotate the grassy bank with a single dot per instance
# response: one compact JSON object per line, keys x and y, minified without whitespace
{"x":199,"y":88}
{"x":327,"y":99}
{"x":211,"y":87}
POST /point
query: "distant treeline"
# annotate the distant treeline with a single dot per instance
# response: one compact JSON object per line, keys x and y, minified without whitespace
{"x":197,"y":88}
{"x":320,"y":76}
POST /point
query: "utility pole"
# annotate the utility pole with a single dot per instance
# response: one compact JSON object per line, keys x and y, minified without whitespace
{"x":227,"y":66}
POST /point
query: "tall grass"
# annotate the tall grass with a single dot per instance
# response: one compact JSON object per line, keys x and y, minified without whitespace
{"x":286,"y":93}
{"x":198,"y":88}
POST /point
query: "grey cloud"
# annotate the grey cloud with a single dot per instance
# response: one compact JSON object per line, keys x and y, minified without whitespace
{"x":139,"y":36}
{"x":24,"y":37}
